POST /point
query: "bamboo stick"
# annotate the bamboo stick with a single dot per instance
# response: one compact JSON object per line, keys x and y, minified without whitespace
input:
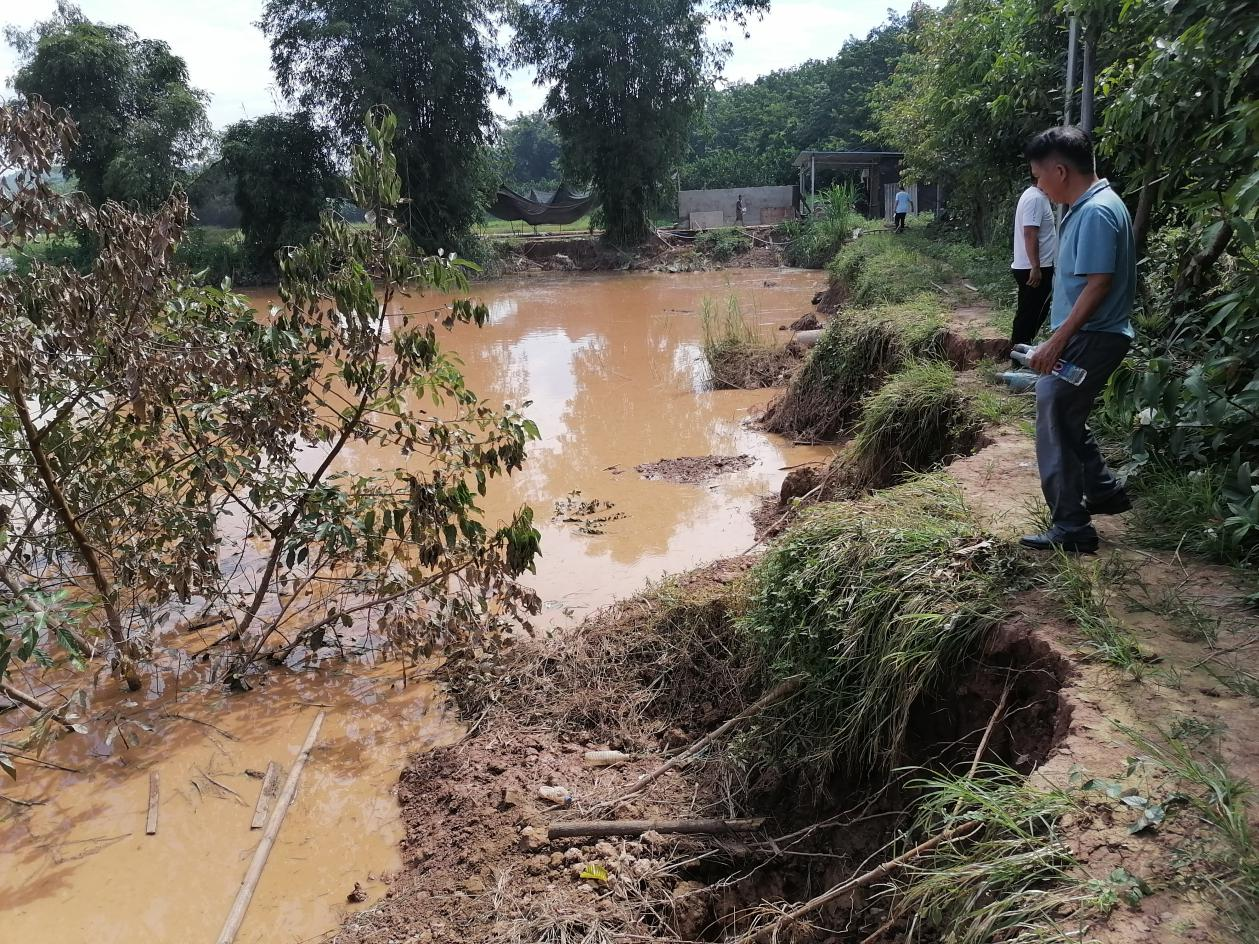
{"x":150,"y":824}
{"x":235,"y":917}
{"x":269,"y":784}
{"x":636,"y":827}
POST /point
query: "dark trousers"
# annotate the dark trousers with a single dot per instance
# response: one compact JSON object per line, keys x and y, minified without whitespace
{"x":1071,"y":466}
{"x":900,"y":222}
{"x":1033,"y":306}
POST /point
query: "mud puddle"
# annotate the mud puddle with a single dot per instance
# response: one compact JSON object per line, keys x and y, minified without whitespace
{"x":690,"y":470}
{"x":612,"y":366}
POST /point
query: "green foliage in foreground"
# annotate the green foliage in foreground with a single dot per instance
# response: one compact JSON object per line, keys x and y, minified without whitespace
{"x":878,"y":604}
{"x":852,"y":357}
{"x":915,"y":422}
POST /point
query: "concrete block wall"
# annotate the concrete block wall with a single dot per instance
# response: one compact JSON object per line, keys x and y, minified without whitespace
{"x":762,"y":204}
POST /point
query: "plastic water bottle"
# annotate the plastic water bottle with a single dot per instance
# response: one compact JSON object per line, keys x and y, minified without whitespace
{"x":1071,"y":373}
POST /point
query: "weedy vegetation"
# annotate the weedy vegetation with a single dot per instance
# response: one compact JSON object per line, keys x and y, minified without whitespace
{"x":739,"y":354}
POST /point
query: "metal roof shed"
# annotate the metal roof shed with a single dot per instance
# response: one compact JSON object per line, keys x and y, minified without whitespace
{"x":882,"y":168}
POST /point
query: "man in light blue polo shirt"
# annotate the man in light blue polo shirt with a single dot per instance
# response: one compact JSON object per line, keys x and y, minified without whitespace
{"x":1094,"y":286}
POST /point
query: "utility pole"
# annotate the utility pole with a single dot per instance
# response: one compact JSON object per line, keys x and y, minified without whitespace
{"x":1087,"y":81}
{"x":1068,"y":92}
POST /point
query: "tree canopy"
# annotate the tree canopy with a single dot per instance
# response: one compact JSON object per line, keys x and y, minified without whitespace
{"x":627,"y":79}
{"x":140,"y":122}
{"x":529,"y":152}
{"x":431,"y":62}
{"x":283,"y":174}
{"x":750,"y":131}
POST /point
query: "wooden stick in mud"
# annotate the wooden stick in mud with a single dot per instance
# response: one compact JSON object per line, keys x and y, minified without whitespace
{"x":270,"y":781}
{"x":150,"y":824}
{"x":860,"y":881}
{"x":777,"y":694}
{"x":236,"y":916}
{"x":636,"y":827}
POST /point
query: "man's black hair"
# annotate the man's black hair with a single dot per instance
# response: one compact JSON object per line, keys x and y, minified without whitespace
{"x":1069,"y":143}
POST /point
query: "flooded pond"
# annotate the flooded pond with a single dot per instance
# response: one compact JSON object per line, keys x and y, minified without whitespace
{"x":612,"y":365}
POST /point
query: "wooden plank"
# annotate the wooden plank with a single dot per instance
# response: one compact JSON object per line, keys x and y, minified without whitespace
{"x":270,"y":784}
{"x":150,"y":825}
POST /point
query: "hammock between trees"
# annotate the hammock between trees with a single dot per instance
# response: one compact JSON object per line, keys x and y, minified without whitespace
{"x":542,"y":206}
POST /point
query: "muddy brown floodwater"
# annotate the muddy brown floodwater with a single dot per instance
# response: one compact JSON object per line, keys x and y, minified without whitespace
{"x":612,"y":365}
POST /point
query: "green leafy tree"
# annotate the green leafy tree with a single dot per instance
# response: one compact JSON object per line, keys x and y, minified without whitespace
{"x":283,"y":176}
{"x":160,"y":441}
{"x":140,"y":123}
{"x":626,"y":82}
{"x":530,"y":152}
{"x":981,"y":79}
{"x":431,"y":62}
{"x":1181,"y":123}
{"x":751,"y":131}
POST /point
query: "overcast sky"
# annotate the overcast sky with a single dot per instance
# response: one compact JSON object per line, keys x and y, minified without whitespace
{"x":228,"y":57}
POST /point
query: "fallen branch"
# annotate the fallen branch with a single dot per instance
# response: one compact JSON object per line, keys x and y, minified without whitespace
{"x":636,"y":827}
{"x":250,"y":882}
{"x":34,"y":704}
{"x":222,"y":786}
{"x":780,"y":692}
{"x":859,"y":881}
{"x":227,"y":734}
{"x":17,"y":802}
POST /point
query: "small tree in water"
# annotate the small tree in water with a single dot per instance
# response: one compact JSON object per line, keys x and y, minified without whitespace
{"x":162,"y":444}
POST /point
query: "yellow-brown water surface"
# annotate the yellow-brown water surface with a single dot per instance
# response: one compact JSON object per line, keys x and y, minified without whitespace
{"x":612,"y":365}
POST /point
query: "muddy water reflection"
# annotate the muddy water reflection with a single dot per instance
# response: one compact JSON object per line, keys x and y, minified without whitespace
{"x":611,"y":363}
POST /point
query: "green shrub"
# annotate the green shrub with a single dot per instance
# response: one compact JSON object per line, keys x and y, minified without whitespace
{"x":855,"y":353}
{"x":877,"y":604}
{"x":220,"y":254}
{"x":723,"y":244}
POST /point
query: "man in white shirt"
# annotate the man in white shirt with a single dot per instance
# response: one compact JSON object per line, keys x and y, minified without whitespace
{"x":1035,"y":250}
{"x":904,"y":204}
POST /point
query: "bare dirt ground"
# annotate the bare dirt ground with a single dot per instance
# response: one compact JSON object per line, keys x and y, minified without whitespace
{"x":691,"y":470}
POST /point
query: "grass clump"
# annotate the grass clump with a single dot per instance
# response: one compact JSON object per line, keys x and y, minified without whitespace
{"x":878,"y":604}
{"x":882,"y":270}
{"x":854,"y":355}
{"x":1012,"y":879}
{"x":916,"y":422}
{"x":1079,"y":587}
{"x":1178,"y":508}
{"x":739,"y":356}
{"x":723,"y":244}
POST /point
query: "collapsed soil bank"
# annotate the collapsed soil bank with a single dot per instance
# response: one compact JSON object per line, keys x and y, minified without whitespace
{"x":479,"y":865}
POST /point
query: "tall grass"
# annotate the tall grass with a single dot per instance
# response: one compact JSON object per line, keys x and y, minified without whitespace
{"x":813,"y":242}
{"x":879,"y":604}
{"x":1014,"y":879}
{"x":854,"y":355}
{"x":739,"y":355}
{"x":723,"y":244}
{"x":915,"y":422}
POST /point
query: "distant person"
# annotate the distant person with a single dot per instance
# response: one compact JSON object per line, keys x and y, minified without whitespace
{"x":1035,"y":246}
{"x":738,"y":210}
{"x":1094,"y":284}
{"x":904,"y":205}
